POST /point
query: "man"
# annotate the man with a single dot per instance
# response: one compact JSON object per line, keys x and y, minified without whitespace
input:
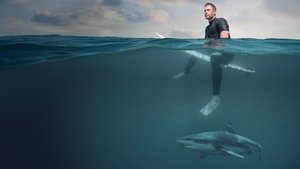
{"x":217,"y":28}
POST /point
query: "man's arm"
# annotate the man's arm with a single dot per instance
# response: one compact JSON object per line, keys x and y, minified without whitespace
{"x":223,"y":28}
{"x":224,"y":34}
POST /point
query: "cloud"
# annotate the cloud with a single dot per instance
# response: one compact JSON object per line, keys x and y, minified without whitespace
{"x":159,"y":15}
{"x":127,"y":10}
{"x":183,"y":33}
{"x":290,"y":7}
{"x":263,"y":19}
{"x":142,"y":16}
{"x":133,"y":15}
{"x":178,"y":18}
{"x":110,"y":3}
{"x":13,"y":2}
{"x":135,"y":11}
{"x":179,"y":2}
{"x":81,"y":17}
{"x":47,"y":18}
{"x":151,"y":2}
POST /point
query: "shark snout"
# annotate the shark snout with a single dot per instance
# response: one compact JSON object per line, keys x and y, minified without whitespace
{"x":183,"y":141}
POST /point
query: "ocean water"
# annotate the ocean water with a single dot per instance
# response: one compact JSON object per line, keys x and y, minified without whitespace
{"x":71,"y":102}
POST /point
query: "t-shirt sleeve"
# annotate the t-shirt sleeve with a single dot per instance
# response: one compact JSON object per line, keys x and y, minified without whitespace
{"x":222,"y":25}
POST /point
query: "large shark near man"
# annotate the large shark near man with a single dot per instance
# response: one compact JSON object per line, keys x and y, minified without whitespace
{"x":224,"y":142}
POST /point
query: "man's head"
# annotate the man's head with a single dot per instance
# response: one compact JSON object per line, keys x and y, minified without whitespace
{"x":210,"y":11}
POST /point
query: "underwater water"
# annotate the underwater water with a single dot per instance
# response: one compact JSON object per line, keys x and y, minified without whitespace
{"x":71,"y":102}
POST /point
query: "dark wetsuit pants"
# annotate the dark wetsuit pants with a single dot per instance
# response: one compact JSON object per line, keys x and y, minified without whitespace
{"x":217,"y":73}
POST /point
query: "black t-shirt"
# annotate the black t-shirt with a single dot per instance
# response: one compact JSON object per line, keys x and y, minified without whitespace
{"x":215,"y":27}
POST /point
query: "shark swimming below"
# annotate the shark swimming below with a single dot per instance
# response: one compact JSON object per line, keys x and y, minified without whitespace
{"x":224,"y":142}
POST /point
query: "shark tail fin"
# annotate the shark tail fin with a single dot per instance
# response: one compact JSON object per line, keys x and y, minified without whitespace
{"x":259,"y":158}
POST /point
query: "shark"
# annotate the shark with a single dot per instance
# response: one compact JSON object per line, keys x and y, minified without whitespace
{"x":223,"y":142}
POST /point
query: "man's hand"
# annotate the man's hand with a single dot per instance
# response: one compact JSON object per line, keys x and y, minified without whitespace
{"x":224,"y":34}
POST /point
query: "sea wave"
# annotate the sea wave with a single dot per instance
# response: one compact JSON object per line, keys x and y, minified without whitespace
{"x":31,"y":49}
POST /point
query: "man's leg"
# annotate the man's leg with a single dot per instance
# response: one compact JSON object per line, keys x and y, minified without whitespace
{"x":187,"y":68}
{"x":190,"y":64}
{"x":217,"y":71}
{"x":217,"y":75}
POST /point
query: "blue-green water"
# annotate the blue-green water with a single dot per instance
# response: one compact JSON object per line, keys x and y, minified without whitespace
{"x":109,"y":102}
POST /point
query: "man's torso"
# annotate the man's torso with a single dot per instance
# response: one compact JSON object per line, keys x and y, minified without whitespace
{"x":215,"y":27}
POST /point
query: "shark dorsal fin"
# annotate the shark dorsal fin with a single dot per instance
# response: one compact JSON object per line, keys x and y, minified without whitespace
{"x":229,"y":128}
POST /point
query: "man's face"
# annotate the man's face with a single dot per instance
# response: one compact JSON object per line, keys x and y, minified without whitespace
{"x":209,"y":12}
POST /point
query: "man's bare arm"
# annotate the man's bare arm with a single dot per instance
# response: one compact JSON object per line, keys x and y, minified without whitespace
{"x":224,"y":34}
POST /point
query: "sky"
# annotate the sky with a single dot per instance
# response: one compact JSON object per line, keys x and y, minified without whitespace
{"x":142,"y":18}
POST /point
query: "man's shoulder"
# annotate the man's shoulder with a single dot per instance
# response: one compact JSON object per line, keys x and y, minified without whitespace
{"x":221,"y":20}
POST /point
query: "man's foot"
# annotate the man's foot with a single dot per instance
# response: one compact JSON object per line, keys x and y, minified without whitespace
{"x":211,"y":106}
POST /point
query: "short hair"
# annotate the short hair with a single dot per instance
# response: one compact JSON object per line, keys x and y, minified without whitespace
{"x":212,"y":5}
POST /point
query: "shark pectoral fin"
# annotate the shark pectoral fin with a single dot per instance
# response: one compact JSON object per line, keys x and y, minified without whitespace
{"x":192,"y":147}
{"x":232,"y":153}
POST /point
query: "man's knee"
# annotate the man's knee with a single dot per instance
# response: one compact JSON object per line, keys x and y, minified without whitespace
{"x":224,"y":59}
{"x":228,"y":57}
{"x":215,"y":61}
